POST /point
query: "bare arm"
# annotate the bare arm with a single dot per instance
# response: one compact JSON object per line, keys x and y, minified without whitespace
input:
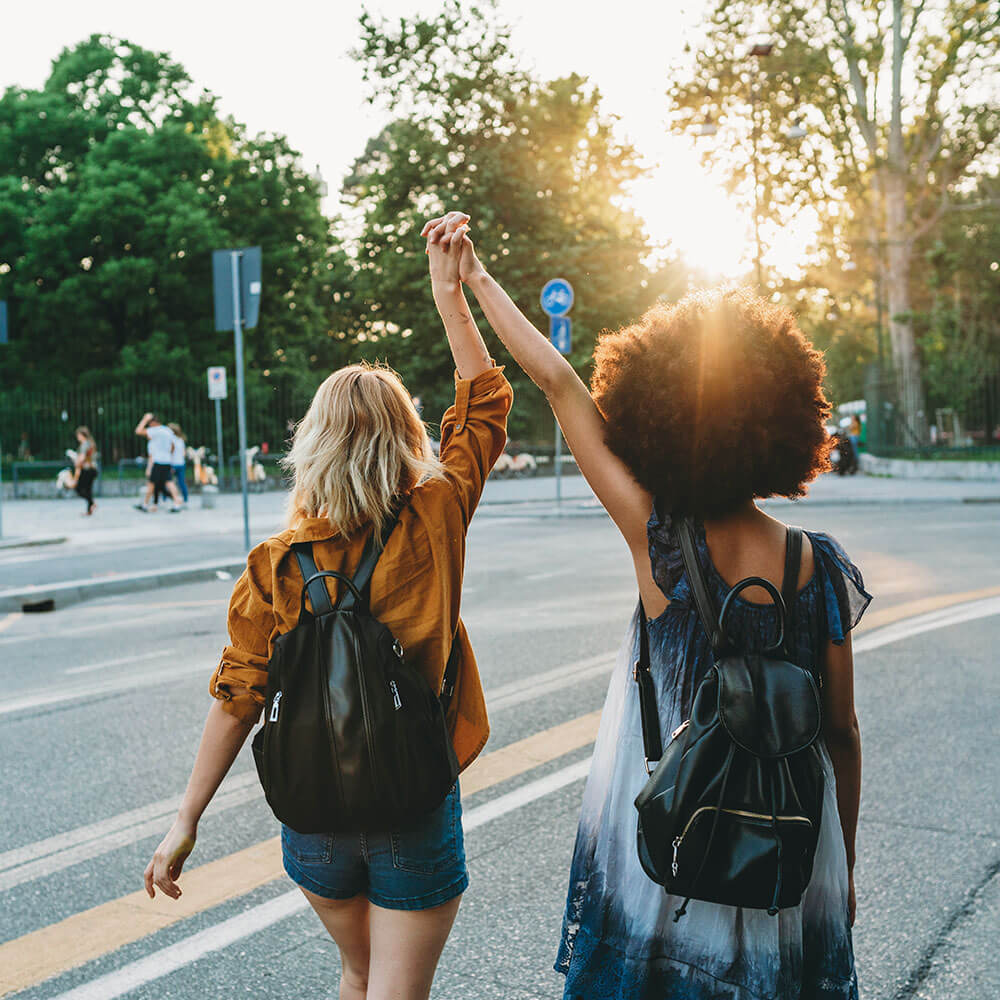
{"x":140,"y":428}
{"x":843,"y":742}
{"x":464,"y":338}
{"x":624,"y":499}
{"x":221,"y":740}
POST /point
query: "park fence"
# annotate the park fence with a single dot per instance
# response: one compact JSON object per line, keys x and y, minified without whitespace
{"x":963,"y":425}
{"x":36,"y":428}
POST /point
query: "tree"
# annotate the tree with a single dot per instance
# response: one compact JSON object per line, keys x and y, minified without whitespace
{"x":536,"y":164}
{"x":899,"y":100}
{"x":116,"y":183}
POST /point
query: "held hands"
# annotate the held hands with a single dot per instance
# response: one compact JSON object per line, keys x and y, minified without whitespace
{"x":452,"y":255}
{"x":168,"y":860}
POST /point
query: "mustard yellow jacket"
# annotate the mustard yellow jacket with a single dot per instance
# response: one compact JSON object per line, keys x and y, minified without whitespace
{"x":417,"y":584}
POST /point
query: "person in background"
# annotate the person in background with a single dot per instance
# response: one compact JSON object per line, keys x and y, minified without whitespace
{"x":854,"y":433}
{"x":24,"y":448}
{"x":85,"y":469}
{"x":179,"y":459}
{"x":160,"y":470}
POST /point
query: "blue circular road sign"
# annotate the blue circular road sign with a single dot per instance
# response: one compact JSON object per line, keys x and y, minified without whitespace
{"x":557,"y":297}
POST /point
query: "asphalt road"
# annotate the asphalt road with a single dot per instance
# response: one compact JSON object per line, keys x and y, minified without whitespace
{"x":102,"y":704}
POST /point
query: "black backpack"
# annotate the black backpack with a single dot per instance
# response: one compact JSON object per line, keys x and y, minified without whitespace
{"x":354,"y":738}
{"x":732,"y":809}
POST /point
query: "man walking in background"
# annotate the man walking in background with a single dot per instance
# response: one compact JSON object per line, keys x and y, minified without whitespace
{"x":161,"y":471}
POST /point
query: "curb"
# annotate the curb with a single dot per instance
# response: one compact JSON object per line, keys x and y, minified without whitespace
{"x":24,"y":543}
{"x":73,"y":591}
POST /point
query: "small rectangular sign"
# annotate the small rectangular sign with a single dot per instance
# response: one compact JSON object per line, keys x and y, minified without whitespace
{"x":249,"y":271}
{"x":3,"y":322}
{"x":217,"y":383}
{"x":560,"y":329}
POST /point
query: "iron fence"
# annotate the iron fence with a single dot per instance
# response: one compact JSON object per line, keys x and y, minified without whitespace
{"x":963,"y":424}
{"x":39,"y":426}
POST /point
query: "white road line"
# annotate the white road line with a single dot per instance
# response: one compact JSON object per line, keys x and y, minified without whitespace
{"x":549,"y":575}
{"x":167,"y":960}
{"x":9,"y":619}
{"x":111,"y":685}
{"x":245,"y":791}
{"x":917,"y":625}
{"x":117,"y":663}
{"x":61,"y":851}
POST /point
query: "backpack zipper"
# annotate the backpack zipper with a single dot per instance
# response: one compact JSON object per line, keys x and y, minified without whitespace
{"x":677,"y":841}
{"x":365,"y":712}
{"x":273,"y":717}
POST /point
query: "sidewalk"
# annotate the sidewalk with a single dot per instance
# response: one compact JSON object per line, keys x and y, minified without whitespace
{"x":120,"y":548}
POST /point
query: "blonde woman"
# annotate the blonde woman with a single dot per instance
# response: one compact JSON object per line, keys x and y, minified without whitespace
{"x":85,"y":467}
{"x":388,"y":898}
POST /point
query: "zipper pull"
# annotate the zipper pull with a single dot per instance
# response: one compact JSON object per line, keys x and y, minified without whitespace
{"x":396,"y":700}
{"x":680,"y":729}
{"x":273,"y":717}
{"x":674,"y":866}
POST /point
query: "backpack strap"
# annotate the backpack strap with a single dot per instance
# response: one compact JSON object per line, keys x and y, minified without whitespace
{"x":366,"y":567}
{"x":790,"y":584}
{"x":652,"y":738}
{"x":318,"y":593}
{"x":707,"y":611}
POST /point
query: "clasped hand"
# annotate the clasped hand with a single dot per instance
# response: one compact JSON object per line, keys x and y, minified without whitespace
{"x":450,"y":252}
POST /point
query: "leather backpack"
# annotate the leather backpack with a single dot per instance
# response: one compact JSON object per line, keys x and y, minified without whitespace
{"x":354,"y":738}
{"x":731,"y":811}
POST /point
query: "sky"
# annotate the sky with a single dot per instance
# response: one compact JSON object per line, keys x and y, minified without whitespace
{"x":287,"y":68}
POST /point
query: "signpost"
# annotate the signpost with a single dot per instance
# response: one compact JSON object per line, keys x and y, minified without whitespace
{"x":3,"y":340}
{"x":236,"y":280}
{"x":217,"y":390}
{"x":557,"y":300}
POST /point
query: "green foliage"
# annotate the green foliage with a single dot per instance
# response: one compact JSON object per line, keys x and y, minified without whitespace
{"x":116,"y":184}
{"x":537,"y":166}
{"x":831,"y":72}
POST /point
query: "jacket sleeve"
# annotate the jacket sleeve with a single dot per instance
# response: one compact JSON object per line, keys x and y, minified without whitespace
{"x":474,"y":432}
{"x":240,"y":680}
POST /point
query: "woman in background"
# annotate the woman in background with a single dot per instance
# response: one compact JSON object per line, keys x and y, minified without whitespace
{"x":178,"y":451}
{"x":85,"y":469}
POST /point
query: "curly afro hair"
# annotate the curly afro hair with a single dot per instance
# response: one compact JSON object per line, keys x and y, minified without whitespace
{"x":713,"y":401}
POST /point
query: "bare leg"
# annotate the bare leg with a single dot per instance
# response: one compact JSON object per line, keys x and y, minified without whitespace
{"x":347,"y":922}
{"x":405,"y":948}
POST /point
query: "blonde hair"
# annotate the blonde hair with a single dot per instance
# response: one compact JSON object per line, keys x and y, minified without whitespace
{"x":176,"y":428}
{"x":359,"y":447}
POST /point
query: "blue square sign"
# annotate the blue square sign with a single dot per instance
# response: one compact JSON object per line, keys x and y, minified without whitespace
{"x":559,"y":333}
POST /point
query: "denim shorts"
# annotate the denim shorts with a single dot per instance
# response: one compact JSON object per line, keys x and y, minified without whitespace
{"x":415,"y":869}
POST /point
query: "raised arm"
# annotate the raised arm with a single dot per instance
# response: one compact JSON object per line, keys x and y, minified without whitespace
{"x":464,"y":338}
{"x":624,"y":499}
{"x":140,"y":428}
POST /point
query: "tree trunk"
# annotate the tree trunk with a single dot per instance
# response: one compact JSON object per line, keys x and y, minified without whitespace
{"x":900,"y":252}
{"x":902,"y":337}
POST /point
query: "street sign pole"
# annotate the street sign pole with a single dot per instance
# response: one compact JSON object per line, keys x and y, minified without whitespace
{"x":557,"y":300}
{"x":218,"y":436}
{"x":241,"y":403}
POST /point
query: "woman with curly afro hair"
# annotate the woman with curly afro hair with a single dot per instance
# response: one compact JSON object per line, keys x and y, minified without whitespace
{"x":695,"y":412}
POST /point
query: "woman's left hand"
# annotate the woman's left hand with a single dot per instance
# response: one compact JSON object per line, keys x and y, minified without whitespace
{"x":168,"y":860}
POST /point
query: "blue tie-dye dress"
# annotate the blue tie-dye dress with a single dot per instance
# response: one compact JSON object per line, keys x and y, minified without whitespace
{"x":619,"y":940}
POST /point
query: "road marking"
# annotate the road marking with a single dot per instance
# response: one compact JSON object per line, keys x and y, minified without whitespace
{"x":9,"y":619}
{"x":911,"y":609}
{"x":82,"y":937}
{"x":910,"y":627}
{"x":60,"y":851}
{"x":111,"y":685}
{"x":117,"y":663}
{"x":548,"y":575}
{"x":264,"y":915}
{"x":51,"y":950}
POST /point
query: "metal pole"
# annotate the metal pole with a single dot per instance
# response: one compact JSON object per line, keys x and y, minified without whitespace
{"x":1,"y":492}
{"x":220,"y":461}
{"x":756,"y":189}
{"x":241,"y":403}
{"x":558,"y":463}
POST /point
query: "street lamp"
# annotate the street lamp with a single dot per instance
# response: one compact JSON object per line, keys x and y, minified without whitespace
{"x":758,"y":51}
